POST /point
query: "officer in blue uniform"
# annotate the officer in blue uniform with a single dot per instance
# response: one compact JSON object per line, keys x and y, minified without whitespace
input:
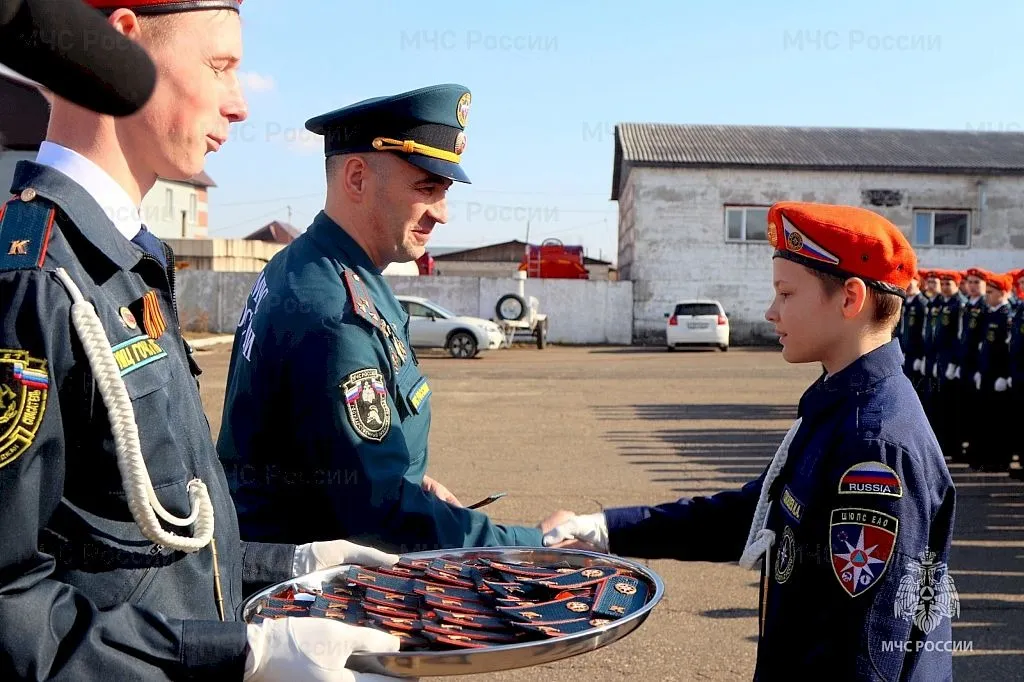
{"x":327,"y":414}
{"x":121,"y":557}
{"x":854,"y":516}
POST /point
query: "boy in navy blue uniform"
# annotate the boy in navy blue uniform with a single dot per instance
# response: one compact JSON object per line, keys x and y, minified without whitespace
{"x":911,"y":330}
{"x":854,"y":516}
{"x":946,"y":342}
{"x":1017,"y":371}
{"x":927,"y":387}
{"x":992,"y":378}
{"x":971,"y":334}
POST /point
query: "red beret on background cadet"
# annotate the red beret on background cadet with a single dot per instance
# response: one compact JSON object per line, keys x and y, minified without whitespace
{"x":843,"y":240}
{"x":1001,"y":282}
{"x":143,"y":7}
{"x":951,"y":276}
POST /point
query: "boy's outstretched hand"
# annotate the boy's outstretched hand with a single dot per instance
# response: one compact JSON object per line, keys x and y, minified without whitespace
{"x":564,"y":529}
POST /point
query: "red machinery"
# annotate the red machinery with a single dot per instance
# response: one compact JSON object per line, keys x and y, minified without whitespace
{"x":554,"y":260}
{"x":425,"y":263}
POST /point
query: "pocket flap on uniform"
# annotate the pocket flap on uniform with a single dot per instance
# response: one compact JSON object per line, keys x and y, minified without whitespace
{"x":144,"y":365}
{"x":412,"y":387}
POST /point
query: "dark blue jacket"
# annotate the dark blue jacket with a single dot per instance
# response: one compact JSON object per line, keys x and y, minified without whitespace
{"x":912,"y":328}
{"x":933,"y":307}
{"x":326,"y":415}
{"x":972,"y":333}
{"x":1017,"y":350}
{"x":994,"y":356}
{"x":83,"y":594}
{"x":864,"y":470}
{"x":946,"y":338}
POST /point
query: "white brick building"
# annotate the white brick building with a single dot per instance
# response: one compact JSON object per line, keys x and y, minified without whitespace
{"x":693,"y":203}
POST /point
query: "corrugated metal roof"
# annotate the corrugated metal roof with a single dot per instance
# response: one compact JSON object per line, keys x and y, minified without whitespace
{"x":806,"y":148}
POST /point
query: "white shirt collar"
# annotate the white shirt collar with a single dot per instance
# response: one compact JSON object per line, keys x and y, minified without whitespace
{"x":111,"y":197}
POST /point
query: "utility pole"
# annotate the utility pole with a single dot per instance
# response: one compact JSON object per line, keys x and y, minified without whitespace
{"x":289,"y":215}
{"x":527,"y":232}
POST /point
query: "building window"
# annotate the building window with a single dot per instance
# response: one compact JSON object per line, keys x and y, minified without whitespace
{"x":942,"y":228}
{"x":193,"y":206}
{"x":746,"y":223}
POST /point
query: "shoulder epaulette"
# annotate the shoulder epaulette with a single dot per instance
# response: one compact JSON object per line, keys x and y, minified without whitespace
{"x":362,"y":302}
{"x":26,"y":224}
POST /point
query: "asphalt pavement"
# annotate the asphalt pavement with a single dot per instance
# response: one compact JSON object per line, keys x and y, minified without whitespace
{"x":586,"y":428}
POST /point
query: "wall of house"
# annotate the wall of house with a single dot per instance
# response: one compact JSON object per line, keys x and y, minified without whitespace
{"x":223,"y":255}
{"x":163,"y":205}
{"x":579,"y":311}
{"x":672,"y":233}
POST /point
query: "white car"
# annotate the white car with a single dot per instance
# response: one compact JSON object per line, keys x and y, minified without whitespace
{"x":697,"y":323}
{"x":431,"y":326}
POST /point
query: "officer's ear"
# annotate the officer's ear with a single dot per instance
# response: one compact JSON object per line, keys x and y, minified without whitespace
{"x":350,"y":176}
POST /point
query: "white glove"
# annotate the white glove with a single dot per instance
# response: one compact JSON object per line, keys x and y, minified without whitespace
{"x":924,"y":369}
{"x":1000,"y":385}
{"x":957,"y":373}
{"x":316,"y":556}
{"x":310,"y":650}
{"x":951,"y":371}
{"x":917,"y":365}
{"x":589,"y":528}
{"x":1009,"y":382}
{"x":977,"y":380}
{"x":935,"y":370}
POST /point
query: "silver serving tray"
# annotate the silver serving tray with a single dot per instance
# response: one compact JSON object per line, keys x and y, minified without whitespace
{"x":498,"y":657}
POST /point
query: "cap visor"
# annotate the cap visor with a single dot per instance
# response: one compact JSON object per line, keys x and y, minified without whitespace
{"x":446,"y":169}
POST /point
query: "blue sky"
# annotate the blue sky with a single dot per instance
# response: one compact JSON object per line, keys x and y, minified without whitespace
{"x":551,"y":79}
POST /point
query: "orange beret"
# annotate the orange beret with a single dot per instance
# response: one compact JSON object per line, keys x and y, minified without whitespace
{"x":976,"y":272}
{"x":1001,"y":282}
{"x":950,"y":275}
{"x":843,"y":240}
{"x":162,"y":6}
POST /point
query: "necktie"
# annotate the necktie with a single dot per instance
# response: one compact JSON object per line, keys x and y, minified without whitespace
{"x":146,"y":241}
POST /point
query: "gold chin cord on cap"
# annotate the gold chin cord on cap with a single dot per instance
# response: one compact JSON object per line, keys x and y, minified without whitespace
{"x":386,"y":144}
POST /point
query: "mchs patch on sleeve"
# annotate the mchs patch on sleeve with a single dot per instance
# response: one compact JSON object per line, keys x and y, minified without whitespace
{"x":24,"y":382}
{"x":366,"y":404}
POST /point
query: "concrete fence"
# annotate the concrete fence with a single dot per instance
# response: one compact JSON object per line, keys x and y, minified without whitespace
{"x":579,"y":311}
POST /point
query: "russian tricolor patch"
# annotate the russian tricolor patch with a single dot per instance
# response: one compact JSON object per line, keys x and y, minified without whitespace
{"x":871,"y":478}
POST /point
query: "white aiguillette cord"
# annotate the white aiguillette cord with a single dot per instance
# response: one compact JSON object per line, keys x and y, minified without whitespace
{"x":760,"y":539}
{"x":142,"y":500}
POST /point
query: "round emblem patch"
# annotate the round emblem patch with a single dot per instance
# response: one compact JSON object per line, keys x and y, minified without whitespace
{"x":577,"y":606}
{"x":460,"y":142}
{"x":591,"y":573}
{"x":127,"y":318}
{"x":795,"y":241}
{"x":773,"y":234}
{"x":24,"y":383}
{"x":366,"y":404}
{"x":462,"y":111}
{"x":596,"y":622}
{"x":785,"y":557}
{"x":625,"y":588}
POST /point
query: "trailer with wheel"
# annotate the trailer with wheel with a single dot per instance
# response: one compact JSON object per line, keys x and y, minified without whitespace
{"x":516,"y":314}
